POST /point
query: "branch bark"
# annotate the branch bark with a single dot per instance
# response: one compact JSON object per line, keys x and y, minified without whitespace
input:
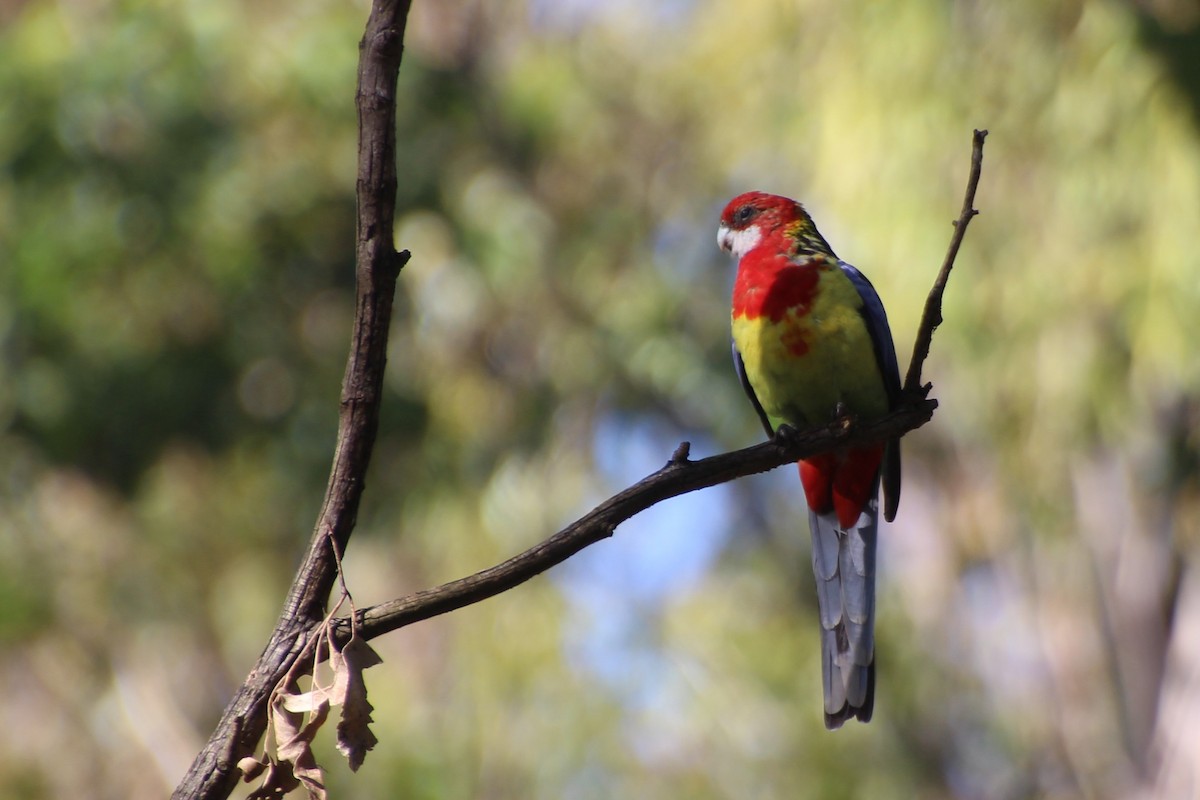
{"x":214,"y":773}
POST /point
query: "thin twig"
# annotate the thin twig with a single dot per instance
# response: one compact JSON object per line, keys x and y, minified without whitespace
{"x":341,"y":574}
{"x":932,"y":316}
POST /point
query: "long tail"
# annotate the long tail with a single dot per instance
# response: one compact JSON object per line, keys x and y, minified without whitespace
{"x":844,"y":565}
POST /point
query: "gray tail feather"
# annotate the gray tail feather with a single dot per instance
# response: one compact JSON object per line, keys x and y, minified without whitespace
{"x":844,"y":565}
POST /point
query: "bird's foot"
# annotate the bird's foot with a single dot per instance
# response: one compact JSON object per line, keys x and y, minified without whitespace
{"x":786,"y":434}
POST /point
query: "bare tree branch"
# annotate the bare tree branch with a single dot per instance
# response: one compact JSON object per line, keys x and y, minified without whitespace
{"x":932,"y":315}
{"x":214,"y":772}
{"x":679,"y":476}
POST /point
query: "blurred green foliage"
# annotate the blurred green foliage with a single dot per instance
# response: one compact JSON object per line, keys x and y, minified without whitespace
{"x":176,"y":265}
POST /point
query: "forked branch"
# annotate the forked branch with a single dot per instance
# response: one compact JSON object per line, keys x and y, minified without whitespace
{"x":214,"y":772}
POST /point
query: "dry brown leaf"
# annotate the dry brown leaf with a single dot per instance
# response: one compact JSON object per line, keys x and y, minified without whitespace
{"x":278,"y":781}
{"x":354,"y":736}
{"x":294,"y":764}
{"x":251,"y":767}
{"x":293,"y":743}
{"x":306,"y":702}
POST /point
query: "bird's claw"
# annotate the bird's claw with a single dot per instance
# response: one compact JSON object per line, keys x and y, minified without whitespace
{"x":786,"y":434}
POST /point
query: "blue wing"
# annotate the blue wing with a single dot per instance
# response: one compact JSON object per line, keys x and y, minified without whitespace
{"x":885,"y":357}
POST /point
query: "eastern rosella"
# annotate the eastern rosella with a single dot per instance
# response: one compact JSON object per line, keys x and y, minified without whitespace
{"x":811,"y":343}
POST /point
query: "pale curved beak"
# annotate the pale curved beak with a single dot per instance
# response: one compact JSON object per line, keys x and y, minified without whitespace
{"x":725,"y":238}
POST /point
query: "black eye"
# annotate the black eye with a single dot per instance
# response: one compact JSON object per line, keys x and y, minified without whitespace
{"x":744,"y":215}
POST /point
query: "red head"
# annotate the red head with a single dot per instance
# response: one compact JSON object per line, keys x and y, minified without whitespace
{"x":753,"y":217}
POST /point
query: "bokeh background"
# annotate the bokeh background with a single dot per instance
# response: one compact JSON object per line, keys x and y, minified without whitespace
{"x":176,"y":243}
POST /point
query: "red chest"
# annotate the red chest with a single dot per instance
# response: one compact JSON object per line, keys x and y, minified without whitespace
{"x":771,"y":285}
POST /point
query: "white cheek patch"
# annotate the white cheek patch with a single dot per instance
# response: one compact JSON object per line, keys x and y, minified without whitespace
{"x":739,"y":242}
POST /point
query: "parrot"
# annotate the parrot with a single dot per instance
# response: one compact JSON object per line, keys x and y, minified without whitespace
{"x":811,"y":343}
